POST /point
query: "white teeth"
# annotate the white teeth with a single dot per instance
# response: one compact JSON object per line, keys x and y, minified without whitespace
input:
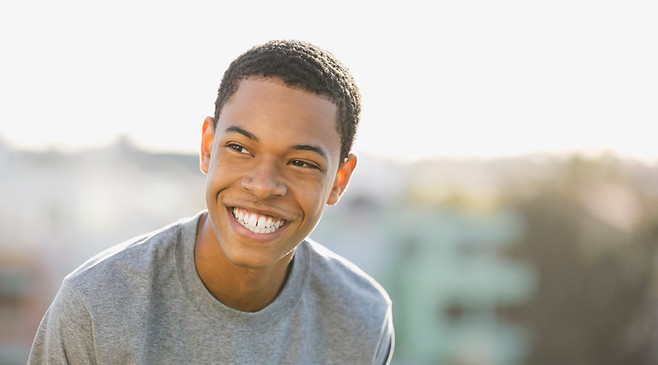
{"x":256,"y":223}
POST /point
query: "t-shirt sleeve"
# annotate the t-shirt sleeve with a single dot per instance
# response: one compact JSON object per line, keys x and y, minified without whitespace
{"x":384,"y":353}
{"x":65,"y":333}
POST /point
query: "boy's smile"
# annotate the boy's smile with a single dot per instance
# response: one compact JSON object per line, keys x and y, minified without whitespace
{"x":260,"y":224}
{"x":273,"y":164}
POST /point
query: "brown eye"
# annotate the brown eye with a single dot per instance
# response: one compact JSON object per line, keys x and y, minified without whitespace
{"x":238,"y":148}
{"x":300,"y":163}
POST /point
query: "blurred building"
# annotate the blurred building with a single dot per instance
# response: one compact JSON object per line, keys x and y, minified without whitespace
{"x":488,"y":262}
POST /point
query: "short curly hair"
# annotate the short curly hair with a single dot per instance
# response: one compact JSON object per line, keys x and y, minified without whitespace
{"x":304,"y":65}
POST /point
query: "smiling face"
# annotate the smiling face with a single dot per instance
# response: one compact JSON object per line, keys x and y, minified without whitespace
{"x":273,"y":164}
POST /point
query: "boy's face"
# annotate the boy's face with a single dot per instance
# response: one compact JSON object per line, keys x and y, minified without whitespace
{"x":272,"y":164}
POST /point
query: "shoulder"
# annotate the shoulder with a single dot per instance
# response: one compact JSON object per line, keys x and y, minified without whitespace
{"x":348,"y":286}
{"x":106,"y":300}
{"x":133,"y":259}
{"x":353,"y":309}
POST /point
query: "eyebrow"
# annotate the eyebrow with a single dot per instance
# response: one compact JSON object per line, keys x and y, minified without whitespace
{"x":306,"y":147}
{"x":297,"y":147}
{"x":234,"y":129}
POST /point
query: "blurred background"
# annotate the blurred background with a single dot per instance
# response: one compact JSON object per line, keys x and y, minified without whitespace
{"x":506,"y":194}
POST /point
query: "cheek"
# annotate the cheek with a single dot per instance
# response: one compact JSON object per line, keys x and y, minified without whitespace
{"x":313,"y":199}
{"x":222,"y":170}
{"x":216,"y":180}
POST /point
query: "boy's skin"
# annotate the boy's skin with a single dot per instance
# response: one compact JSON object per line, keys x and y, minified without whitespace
{"x":275,"y":151}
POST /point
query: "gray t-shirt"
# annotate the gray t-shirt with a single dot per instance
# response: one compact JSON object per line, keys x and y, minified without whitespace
{"x":143,"y":302}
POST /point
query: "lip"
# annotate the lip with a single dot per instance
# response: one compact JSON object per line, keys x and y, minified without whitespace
{"x":258,"y":237}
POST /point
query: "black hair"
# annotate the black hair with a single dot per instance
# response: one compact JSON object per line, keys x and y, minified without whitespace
{"x":303,"y":65}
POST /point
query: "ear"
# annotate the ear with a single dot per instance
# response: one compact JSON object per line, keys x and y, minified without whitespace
{"x":207,"y":137}
{"x":342,"y":179}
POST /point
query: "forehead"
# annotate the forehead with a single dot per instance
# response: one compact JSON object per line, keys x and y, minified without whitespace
{"x":274,"y":111}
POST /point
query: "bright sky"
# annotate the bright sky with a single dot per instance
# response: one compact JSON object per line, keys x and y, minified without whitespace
{"x":450,"y":78}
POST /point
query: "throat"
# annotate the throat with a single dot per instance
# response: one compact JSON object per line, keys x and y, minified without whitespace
{"x":241,"y":288}
{"x":249,"y":291}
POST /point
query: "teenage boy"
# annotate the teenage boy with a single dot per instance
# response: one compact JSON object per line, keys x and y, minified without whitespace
{"x":240,"y":283}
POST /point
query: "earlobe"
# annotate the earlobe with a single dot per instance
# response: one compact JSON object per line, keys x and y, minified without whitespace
{"x":207,"y":137}
{"x":342,"y":179}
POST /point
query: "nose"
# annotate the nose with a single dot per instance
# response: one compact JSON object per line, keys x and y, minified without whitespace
{"x":264,"y":181}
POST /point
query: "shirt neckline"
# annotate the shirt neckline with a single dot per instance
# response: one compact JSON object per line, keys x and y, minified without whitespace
{"x":219,"y":313}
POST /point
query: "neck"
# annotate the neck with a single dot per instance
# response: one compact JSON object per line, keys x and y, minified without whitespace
{"x":241,"y":288}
